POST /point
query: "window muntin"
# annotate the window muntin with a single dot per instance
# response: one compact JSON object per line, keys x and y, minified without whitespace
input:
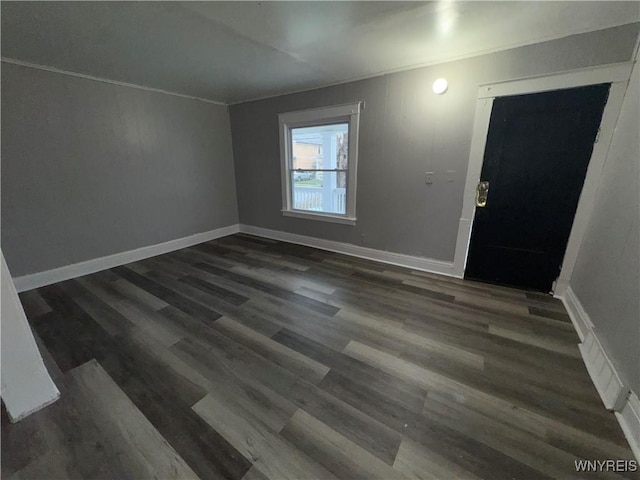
{"x":320,"y":168}
{"x":319,"y":155}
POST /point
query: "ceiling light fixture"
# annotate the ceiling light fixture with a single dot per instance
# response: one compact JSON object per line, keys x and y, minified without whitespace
{"x":440,"y":86}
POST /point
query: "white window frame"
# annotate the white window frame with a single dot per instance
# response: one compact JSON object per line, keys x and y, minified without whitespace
{"x":347,"y":113}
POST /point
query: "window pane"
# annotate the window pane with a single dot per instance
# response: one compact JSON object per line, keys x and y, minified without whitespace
{"x":319,"y":191}
{"x":322,"y":147}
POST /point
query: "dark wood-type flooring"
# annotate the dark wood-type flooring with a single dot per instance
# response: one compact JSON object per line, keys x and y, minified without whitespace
{"x":246,"y":358}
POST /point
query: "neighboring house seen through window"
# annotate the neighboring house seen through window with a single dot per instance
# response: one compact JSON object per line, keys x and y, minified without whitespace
{"x":319,"y":152}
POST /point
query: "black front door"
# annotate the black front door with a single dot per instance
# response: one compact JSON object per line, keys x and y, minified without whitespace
{"x":535,"y":161}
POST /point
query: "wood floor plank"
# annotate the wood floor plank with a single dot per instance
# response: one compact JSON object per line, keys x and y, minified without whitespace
{"x":237,"y":358}
{"x":146,"y":320}
{"x":416,"y":462}
{"x":165,"y":398}
{"x":199,"y":297}
{"x":379,"y":279}
{"x":543,"y":312}
{"x":135,"y":293}
{"x":98,"y":286}
{"x":386,"y":329}
{"x":476,"y":337}
{"x":270,"y":289}
{"x":284,"y":278}
{"x":138,"y":267}
{"x":455,"y":391}
{"x":257,"y":359}
{"x":143,"y":378}
{"x":468,"y":453}
{"x":295,"y":319}
{"x":29,"y":436}
{"x":347,"y":420}
{"x":521,"y":395}
{"x":181,"y":322}
{"x":537,"y":341}
{"x":135,"y":431}
{"x":350,"y":421}
{"x":278,"y":260}
{"x":223,"y":293}
{"x":71,"y":336}
{"x":237,"y":388}
{"x":365,"y":379}
{"x":384,"y":407}
{"x":342,"y":457}
{"x":275,"y":457}
{"x":517,"y":444}
{"x":261,"y":401}
{"x":254,"y":473}
{"x":50,"y":364}
{"x":287,"y":358}
{"x":33,"y":304}
{"x":65,"y":441}
{"x":94,"y":300}
{"x":170,"y":296}
{"x":256,"y":321}
{"x":439,"y":384}
{"x":118,"y":314}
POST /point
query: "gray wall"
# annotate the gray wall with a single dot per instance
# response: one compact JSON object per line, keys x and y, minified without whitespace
{"x":605,"y":278}
{"x":405,"y":131}
{"x":91,"y":169}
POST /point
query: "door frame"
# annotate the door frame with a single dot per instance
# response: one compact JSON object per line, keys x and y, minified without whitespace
{"x":618,"y":75}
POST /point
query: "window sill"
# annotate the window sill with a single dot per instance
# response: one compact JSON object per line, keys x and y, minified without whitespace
{"x":322,"y":217}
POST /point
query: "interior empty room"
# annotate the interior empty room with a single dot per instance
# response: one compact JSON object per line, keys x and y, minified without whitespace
{"x":320,"y":240}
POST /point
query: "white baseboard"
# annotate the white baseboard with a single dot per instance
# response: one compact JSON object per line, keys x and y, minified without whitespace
{"x":581,"y":321}
{"x":611,"y":388}
{"x":629,"y":418}
{"x":561,"y":287}
{"x":408,"y":261}
{"x":613,"y":391}
{"x":40,"y":279}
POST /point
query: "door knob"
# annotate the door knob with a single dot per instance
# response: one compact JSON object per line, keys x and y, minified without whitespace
{"x":482,"y":191}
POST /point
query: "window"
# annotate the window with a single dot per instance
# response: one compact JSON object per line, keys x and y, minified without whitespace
{"x":319,"y":153}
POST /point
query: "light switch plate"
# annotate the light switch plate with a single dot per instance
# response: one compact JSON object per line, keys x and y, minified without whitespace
{"x":428,"y":178}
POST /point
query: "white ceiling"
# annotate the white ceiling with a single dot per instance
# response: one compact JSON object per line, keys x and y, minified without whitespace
{"x":235,"y":51}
